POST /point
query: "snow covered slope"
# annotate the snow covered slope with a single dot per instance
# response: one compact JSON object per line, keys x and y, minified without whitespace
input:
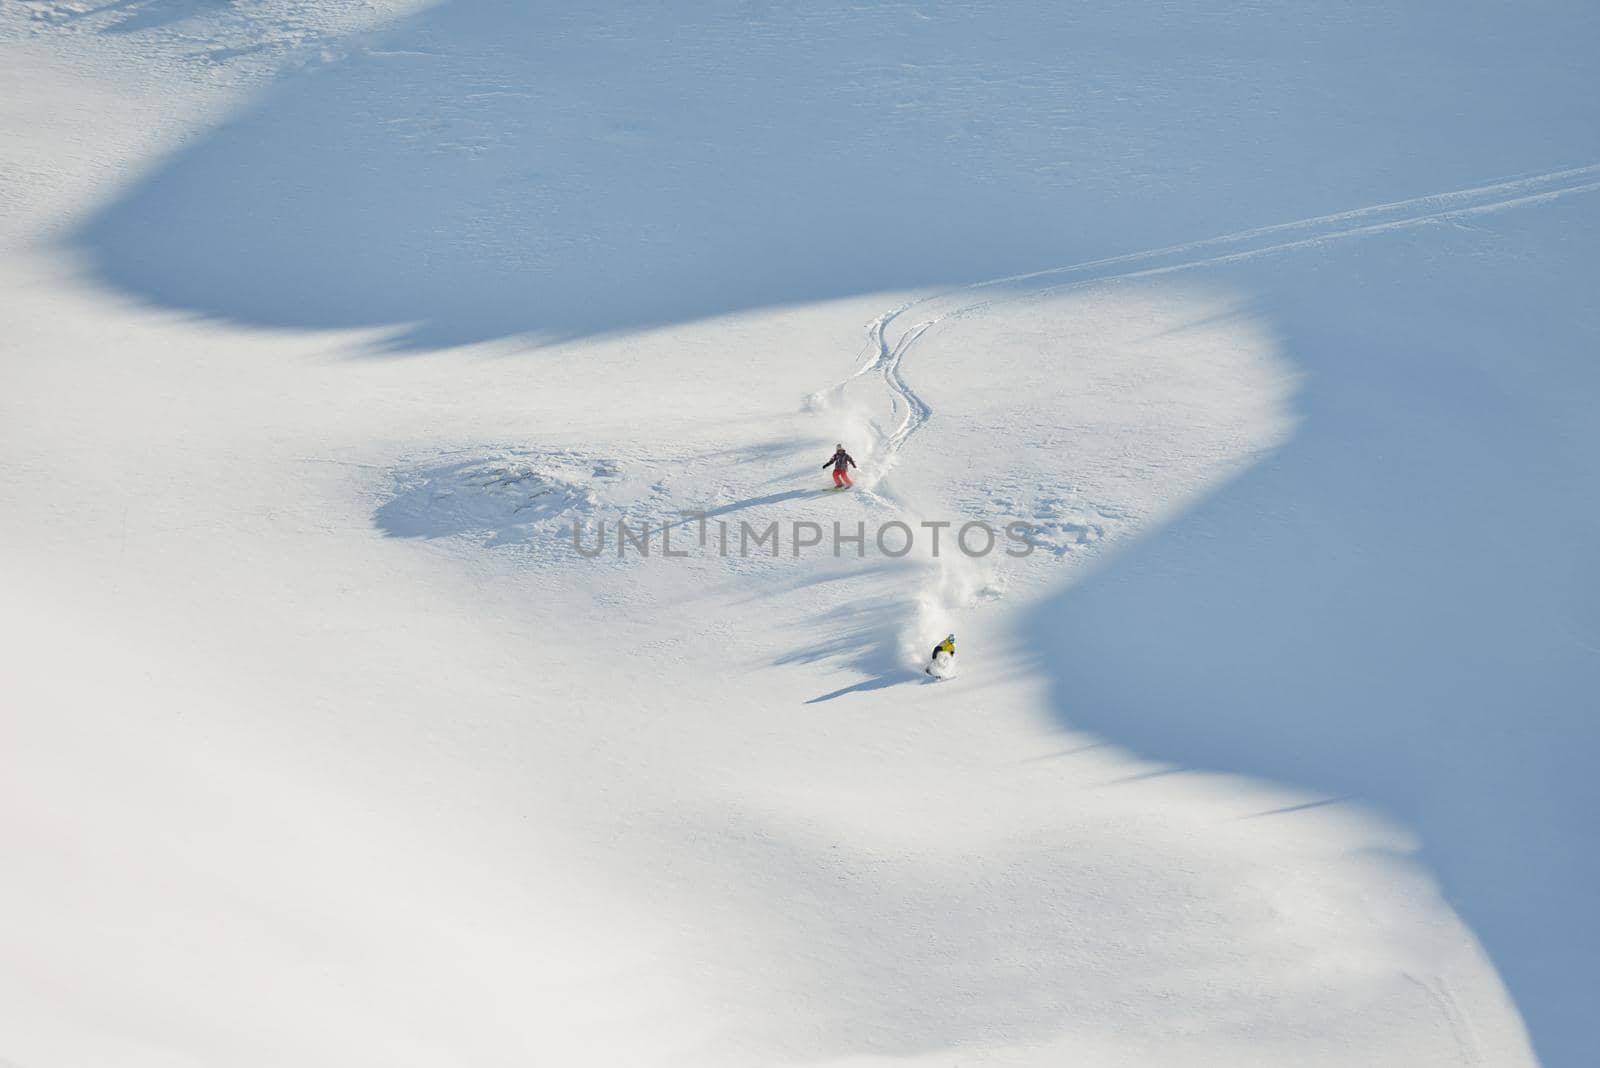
{"x":334,"y":335}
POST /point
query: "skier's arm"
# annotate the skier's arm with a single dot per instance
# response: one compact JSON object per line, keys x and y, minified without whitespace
{"x":852,"y":459}
{"x":827,"y":463}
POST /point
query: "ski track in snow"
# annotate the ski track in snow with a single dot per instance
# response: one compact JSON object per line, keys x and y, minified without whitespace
{"x":888,"y":357}
{"x":957,"y":580}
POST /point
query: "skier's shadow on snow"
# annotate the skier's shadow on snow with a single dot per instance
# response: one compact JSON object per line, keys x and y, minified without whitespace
{"x":751,"y":502}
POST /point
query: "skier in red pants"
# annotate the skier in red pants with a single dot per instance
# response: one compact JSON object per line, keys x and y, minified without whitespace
{"x":841,"y":462}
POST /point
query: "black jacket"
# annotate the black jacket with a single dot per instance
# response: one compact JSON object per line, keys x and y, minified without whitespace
{"x":839,"y":461}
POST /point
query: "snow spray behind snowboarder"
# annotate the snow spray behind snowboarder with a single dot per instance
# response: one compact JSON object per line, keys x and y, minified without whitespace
{"x":841,"y":462}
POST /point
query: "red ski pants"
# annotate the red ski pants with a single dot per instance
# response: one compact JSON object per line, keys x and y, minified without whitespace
{"x":841,"y":477}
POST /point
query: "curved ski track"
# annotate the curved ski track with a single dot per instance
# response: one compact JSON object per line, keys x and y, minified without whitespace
{"x":888,"y":357}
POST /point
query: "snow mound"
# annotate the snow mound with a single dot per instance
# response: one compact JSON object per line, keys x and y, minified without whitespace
{"x":509,"y":496}
{"x":1061,"y":525}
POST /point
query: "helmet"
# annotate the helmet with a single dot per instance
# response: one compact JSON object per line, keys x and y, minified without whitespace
{"x":838,"y":444}
{"x":950,"y":637}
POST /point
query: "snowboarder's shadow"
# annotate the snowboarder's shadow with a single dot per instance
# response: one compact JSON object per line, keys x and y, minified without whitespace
{"x":863,"y":635}
{"x":880,"y":683}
